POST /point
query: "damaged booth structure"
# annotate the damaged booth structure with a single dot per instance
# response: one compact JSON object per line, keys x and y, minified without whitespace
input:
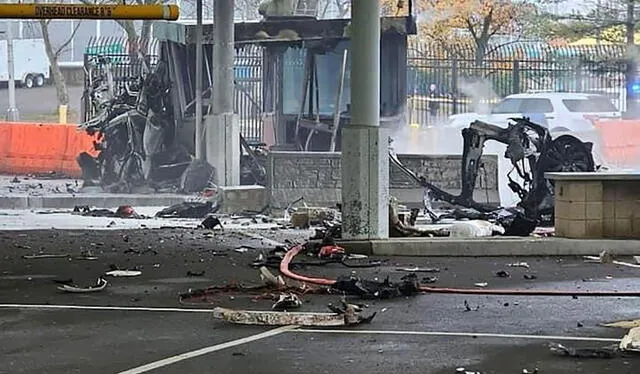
{"x":304,"y":97}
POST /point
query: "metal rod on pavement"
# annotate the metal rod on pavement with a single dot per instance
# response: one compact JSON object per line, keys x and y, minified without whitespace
{"x":200,"y":140}
{"x":12,"y":111}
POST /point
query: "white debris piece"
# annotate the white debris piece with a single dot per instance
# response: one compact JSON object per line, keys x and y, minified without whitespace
{"x":123,"y":273}
{"x":100,"y":285}
{"x":474,"y":229}
{"x":631,"y":341}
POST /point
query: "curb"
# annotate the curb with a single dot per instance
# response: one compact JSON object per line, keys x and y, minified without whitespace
{"x":99,"y":201}
{"x":495,"y":246}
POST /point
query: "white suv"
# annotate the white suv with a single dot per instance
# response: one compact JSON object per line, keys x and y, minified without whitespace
{"x":559,"y":111}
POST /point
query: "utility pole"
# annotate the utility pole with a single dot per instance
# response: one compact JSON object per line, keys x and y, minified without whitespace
{"x":222,"y":130}
{"x":12,"y":112}
{"x":632,"y":66}
{"x":200,"y":140}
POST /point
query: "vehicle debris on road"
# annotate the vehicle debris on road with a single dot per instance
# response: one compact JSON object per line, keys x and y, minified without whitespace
{"x":370,"y":289}
{"x":123,"y":211}
{"x":100,"y":285}
{"x":344,"y":315}
{"x":519,"y":265}
{"x":417,"y":269}
{"x":123,"y":273}
{"x":604,"y":352}
{"x":189,"y":209}
{"x":287,"y":301}
{"x":631,"y":341}
{"x":271,"y":318}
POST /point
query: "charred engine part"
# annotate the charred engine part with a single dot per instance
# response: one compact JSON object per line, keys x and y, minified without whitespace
{"x":532,"y":153}
{"x":369,"y":289}
{"x":189,"y":209}
{"x":136,"y":137}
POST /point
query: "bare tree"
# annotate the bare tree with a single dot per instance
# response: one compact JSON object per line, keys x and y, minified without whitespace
{"x":248,"y":9}
{"x":340,"y":7}
{"x":53,"y":53}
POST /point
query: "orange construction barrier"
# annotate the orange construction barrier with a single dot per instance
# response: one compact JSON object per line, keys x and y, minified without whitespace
{"x":620,"y":142}
{"x":42,"y":148}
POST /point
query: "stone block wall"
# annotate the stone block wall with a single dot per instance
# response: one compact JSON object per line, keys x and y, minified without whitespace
{"x":317,"y":177}
{"x":596,"y":209}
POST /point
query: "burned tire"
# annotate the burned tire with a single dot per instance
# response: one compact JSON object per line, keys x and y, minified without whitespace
{"x":567,"y":153}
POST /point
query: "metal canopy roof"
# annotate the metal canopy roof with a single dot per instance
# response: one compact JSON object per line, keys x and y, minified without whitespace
{"x":280,"y":30}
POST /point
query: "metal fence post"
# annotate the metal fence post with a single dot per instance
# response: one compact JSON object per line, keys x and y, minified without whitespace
{"x":579,"y":77}
{"x":516,"y":77}
{"x":454,"y":86}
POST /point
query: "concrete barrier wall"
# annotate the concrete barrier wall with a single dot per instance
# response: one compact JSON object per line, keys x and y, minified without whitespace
{"x":42,"y":148}
{"x":316,"y":176}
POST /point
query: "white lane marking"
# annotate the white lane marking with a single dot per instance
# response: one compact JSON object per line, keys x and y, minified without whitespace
{"x":104,"y":308}
{"x":203,"y":351}
{"x":459,"y":334}
{"x":313,"y":331}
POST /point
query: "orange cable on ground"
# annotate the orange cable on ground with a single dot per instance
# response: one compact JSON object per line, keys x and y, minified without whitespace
{"x":284,"y":269}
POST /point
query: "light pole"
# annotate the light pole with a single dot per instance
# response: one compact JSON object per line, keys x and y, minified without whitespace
{"x":200,"y":141}
{"x":12,"y":112}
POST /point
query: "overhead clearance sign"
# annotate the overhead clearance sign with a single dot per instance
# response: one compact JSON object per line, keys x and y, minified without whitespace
{"x":81,"y":11}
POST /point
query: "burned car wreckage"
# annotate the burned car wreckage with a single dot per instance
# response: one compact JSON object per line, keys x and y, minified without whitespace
{"x":135,"y":137}
{"x":138,"y":147}
{"x":532,"y":152}
{"x":137,"y":150}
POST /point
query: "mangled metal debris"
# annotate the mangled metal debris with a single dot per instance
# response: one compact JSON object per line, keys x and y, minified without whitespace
{"x":343,"y":315}
{"x":44,"y":256}
{"x":123,"y":211}
{"x":249,"y":317}
{"x":189,"y":209}
{"x":532,"y":152}
{"x":100,"y":285}
{"x":603,"y":352}
{"x":123,"y":273}
{"x":135,"y":128}
{"x":631,"y":341}
{"x":287,"y":301}
{"x":371,"y":289}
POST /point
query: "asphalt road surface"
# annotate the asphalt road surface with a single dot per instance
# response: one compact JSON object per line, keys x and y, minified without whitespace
{"x":39,"y":103}
{"x":139,"y":321}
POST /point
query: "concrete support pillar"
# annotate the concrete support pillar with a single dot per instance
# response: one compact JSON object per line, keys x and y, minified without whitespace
{"x":199,"y":141}
{"x":365,"y":161}
{"x":222,"y":132}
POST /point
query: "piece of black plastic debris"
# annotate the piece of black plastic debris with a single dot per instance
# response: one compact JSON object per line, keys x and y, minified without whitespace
{"x":503,"y":274}
{"x":468,"y":307}
{"x":429,"y":280}
{"x":580,"y":324}
{"x":238,"y":354}
{"x":211,"y":222}
{"x":530,"y":276}
{"x":15,"y":180}
{"x":287,"y":302}
{"x":195,"y":273}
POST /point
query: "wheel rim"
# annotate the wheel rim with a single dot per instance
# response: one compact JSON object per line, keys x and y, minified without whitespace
{"x":568,"y":154}
{"x":39,"y":80}
{"x":29,"y":82}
